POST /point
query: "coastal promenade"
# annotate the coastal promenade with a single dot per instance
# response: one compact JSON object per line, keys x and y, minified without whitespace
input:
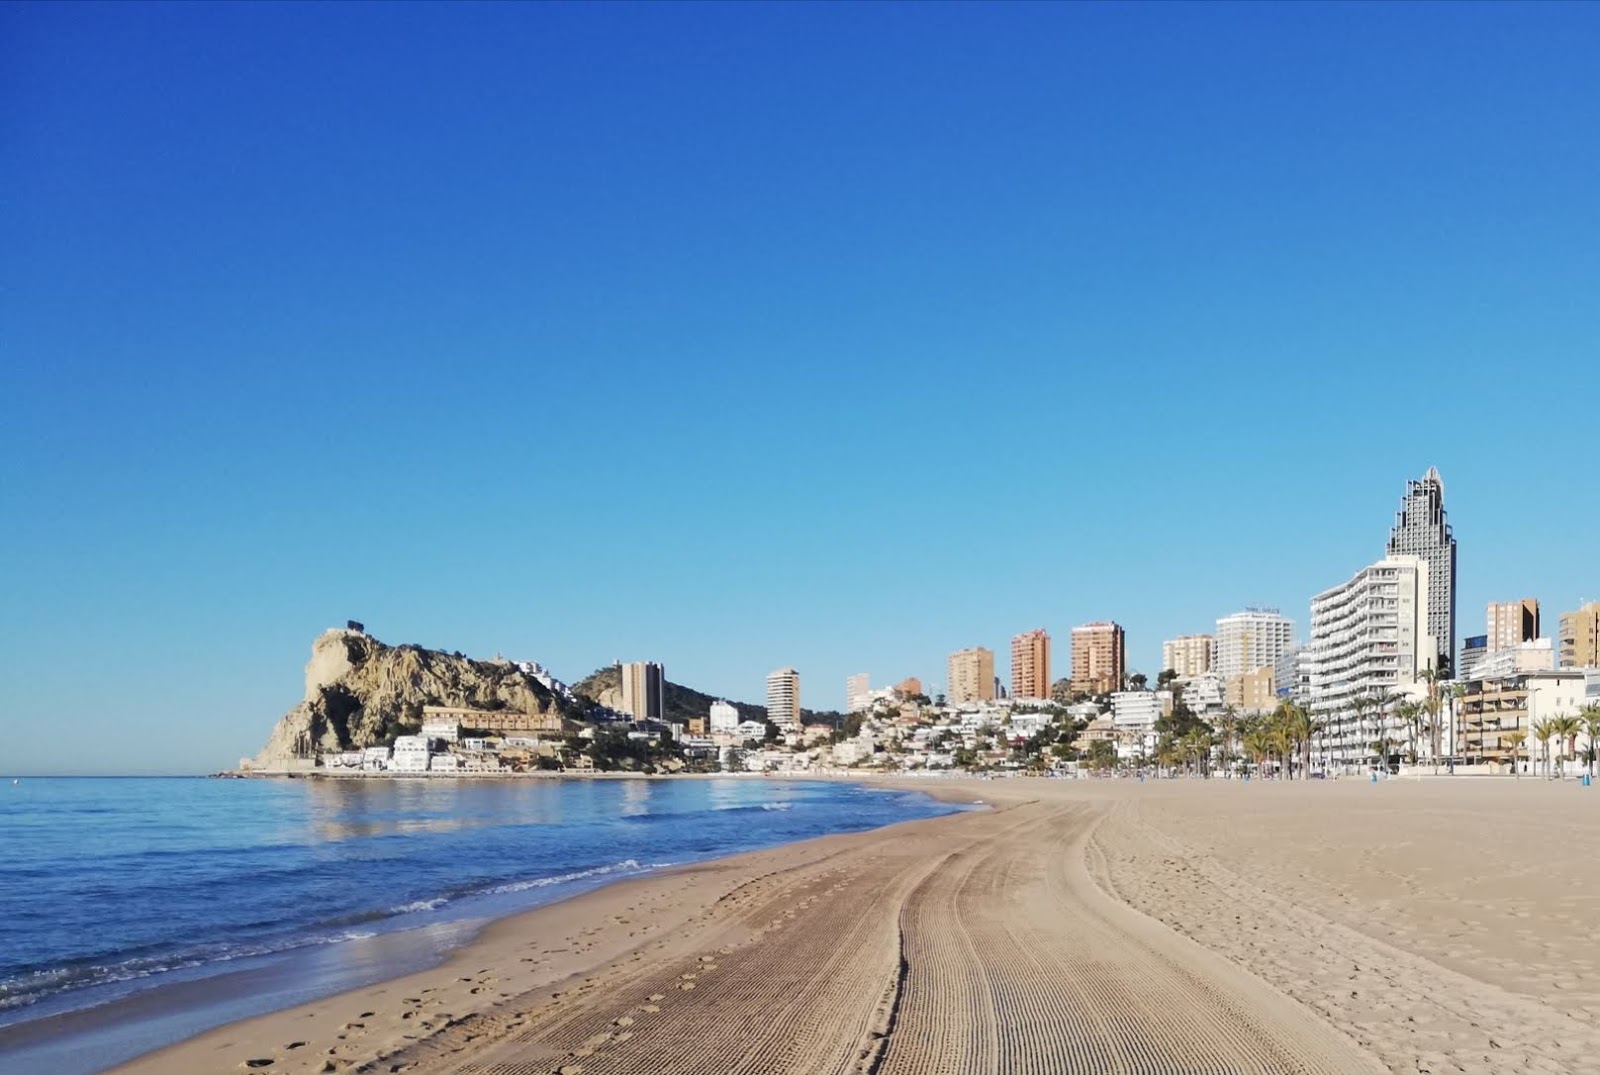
{"x":1087,"y":926}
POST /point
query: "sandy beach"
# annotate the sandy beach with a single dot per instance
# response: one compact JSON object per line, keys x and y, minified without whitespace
{"x":1197,"y":926}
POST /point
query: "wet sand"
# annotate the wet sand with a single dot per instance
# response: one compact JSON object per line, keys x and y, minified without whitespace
{"x":1090,"y":926}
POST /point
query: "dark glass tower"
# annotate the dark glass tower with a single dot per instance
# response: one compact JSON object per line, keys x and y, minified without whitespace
{"x":1421,"y":529}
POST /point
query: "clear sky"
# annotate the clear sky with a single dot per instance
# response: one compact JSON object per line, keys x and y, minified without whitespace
{"x":750,"y":335}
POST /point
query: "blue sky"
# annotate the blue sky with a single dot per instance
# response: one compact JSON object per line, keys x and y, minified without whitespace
{"x":743,"y":336}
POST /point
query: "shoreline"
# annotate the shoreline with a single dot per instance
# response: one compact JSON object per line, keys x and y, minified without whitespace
{"x":71,"y":1038}
{"x":1073,"y":927}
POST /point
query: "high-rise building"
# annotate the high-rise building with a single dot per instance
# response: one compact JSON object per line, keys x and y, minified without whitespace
{"x":972,"y":675}
{"x":1511,"y":623}
{"x":1099,"y":657}
{"x":1422,"y":529}
{"x":1251,"y":639}
{"x":1580,"y":637}
{"x":783,"y":699}
{"x":1030,"y":664}
{"x":644,"y":689}
{"x":1187,"y":655}
{"x":1369,"y":641}
{"x":909,"y":687}
{"x":857,"y":692}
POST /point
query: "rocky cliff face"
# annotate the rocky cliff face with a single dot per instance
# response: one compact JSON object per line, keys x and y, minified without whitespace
{"x":360,"y":692}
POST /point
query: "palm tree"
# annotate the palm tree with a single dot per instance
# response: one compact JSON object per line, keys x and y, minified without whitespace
{"x":1227,"y":727}
{"x":1591,"y":729}
{"x":1410,"y":714}
{"x":1430,"y":718}
{"x":1514,"y":740}
{"x":1297,"y":728}
{"x":1258,"y":743}
{"x":1542,"y":731}
{"x":1565,"y":730}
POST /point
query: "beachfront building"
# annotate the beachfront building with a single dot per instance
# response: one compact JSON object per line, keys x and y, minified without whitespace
{"x":1511,"y":623}
{"x":1099,"y":657}
{"x":1030,"y":664}
{"x":783,"y":699}
{"x":410,"y":755}
{"x":1490,"y":707}
{"x":644,"y":690}
{"x":1369,"y":642}
{"x":1422,"y":529}
{"x":857,"y":692}
{"x":724,"y":717}
{"x":1251,"y":639}
{"x":1134,"y":715}
{"x":1187,"y":655}
{"x":971,"y":675}
{"x":1580,"y":637}
{"x":1204,"y":695}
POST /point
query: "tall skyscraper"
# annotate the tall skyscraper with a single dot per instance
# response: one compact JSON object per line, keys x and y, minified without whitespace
{"x":1030,"y":664}
{"x":1580,"y":637}
{"x":1187,"y":655}
{"x":1511,"y":623}
{"x":1421,"y":529}
{"x":1099,"y":657}
{"x":644,"y":690}
{"x":783,"y":699}
{"x":1250,"y":640}
{"x":972,"y":675}
{"x":857,"y":692}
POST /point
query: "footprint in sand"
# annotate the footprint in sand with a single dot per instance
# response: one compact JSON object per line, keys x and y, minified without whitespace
{"x":258,"y":1062}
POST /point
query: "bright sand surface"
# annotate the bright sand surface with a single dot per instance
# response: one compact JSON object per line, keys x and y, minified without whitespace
{"x":1432,"y":926}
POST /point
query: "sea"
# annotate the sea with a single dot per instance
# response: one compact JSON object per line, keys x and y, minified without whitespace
{"x":136,"y":912}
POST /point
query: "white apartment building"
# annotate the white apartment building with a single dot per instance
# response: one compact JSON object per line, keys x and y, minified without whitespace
{"x":1292,"y":676}
{"x":724,"y":717}
{"x":1188,"y":655}
{"x":1204,"y":695}
{"x":448,"y":730}
{"x":1249,"y":640}
{"x":410,"y":755}
{"x":1134,"y":715}
{"x":783,"y":699}
{"x":857,"y":692}
{"x":1369,"y":640}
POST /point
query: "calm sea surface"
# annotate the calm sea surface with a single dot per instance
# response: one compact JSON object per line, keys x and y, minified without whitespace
{"x":115,"y":892}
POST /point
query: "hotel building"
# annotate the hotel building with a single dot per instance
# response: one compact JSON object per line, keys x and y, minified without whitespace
{"x":972,"y":675}
{"x":644,"y":690}
{"x":783,"y":699}
{"x":1369,"y":640}
{"x":1251,"y":639}
{"x":1030,"y":664}
{"x":1422,"y":529}
{"x":1187,"y":655}
{"x":1099,"y":657}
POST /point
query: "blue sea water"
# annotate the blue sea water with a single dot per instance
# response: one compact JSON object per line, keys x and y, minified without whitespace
{"x":110,"y":888}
